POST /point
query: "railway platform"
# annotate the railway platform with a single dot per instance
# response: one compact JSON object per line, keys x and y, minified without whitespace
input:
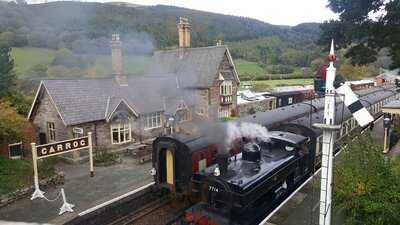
{"x":81,"y":190}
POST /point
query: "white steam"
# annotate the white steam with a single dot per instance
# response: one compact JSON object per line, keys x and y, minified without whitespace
{"x":248,"y":130}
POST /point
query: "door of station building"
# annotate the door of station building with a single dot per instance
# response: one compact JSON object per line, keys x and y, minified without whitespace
{"x":170,"y":166}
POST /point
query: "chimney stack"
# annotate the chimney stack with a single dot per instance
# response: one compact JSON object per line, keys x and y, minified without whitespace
{"x":116,"y":60}
{"x":184,"y":32}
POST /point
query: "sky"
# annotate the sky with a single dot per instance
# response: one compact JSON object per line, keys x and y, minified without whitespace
{"x":279,"y":12}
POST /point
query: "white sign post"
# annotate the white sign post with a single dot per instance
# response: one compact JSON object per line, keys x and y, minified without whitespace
{"x":57,"y":148}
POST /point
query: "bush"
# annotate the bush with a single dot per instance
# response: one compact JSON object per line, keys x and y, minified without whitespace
{"x":18,"y":173}
{"x":367,"y":188}
{"x":280,"y":69}
{"x":12,"y":125}
{"x":105,"y":158}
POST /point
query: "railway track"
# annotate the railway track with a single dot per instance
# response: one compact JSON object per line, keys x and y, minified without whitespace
{"x":162,"y":211}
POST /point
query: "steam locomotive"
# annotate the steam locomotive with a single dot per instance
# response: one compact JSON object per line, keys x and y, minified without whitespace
{"x":242,"y":184}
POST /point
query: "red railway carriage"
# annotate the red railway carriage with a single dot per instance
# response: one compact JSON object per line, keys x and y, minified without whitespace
{"x":174,"y":173}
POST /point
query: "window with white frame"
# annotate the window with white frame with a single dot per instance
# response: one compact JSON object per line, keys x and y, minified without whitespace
{"x":51,"y":131}
{"x":224,"y":112}
{"x":121,"y":133}
{"x":152,"y":120}
{"x":226,"y":87}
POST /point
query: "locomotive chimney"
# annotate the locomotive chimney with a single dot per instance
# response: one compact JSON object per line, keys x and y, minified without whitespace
{"x":222,"y":161}
{"x":184,"y":28}
{"x":116,"y":60}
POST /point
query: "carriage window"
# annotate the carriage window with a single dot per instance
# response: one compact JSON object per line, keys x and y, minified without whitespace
{"x":202,"y":165}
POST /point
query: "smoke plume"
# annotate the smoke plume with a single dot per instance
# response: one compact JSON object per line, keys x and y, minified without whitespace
{"x":248,"y":130}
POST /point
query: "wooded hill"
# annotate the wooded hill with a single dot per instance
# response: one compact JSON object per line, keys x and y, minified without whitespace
{"x":86,"y":27}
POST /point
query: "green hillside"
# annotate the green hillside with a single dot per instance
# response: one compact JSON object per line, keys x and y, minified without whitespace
{"x":26,"y":59}
{"x":248,"y":69}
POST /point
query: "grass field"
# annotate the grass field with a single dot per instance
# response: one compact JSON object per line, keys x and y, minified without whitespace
{"x":26,"y":58}
{"x":251,"y":68}
{"x":266,"y":85}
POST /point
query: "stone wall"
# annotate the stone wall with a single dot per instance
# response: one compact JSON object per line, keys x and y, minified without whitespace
{"x":47,"y":112}
{"x":249,"y":108}
{"x":215,"y":102}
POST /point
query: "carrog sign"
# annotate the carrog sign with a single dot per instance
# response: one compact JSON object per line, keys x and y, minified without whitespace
{"x":62,"y":147}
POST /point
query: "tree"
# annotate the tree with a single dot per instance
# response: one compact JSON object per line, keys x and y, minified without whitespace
{"x":355,"y":72}
{"x":317,"y":63}
{"x":38,"y":70}
{"x":366,"y":186}
{"x":11,"y":124}
{"x":364,"y":35}
{"x":7,"y":74}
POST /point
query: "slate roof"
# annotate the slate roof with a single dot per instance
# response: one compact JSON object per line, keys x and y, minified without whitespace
{"x":195,"y":67}
{"x":85,"y":100}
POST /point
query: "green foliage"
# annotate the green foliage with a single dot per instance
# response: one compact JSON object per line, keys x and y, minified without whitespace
{"x":15,"y":174}
{"x":366,"y":189}
{"x":26,"y":59}
{"x":38,"y":70}
{"x":280,"y":69}
{"x":297,"y":49}
{"x":103,"y":157}
{"x":266,"y":85}
{"x":364,"y":35}
{"x":249,"y":70}
{"x":355,"y":72}
{"x":37,"y":63}
{"x":11,"y":124}
{"x":7,"y":75}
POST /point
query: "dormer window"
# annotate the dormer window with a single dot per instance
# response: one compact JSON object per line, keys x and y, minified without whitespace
{"x":226,"y":88}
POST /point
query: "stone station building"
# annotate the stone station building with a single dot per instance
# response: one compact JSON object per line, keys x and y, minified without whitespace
{"x":183,"y":86}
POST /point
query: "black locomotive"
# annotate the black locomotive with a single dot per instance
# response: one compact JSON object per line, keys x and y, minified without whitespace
{"x":240,"y":184}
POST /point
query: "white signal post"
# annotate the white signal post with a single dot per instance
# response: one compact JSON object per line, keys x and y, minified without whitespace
{"x":329,"y":129}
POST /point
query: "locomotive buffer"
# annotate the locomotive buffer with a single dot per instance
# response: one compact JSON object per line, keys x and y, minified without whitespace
{"x":329,"y":128}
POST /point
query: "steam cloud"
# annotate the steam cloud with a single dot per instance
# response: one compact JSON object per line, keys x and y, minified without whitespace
{"x":248,"y":130}
{"x":226,"y":133}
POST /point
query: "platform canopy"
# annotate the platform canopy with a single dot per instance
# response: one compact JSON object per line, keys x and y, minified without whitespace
{"x":392,"y":107}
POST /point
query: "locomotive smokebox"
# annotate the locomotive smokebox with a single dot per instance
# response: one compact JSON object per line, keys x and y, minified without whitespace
{"x":222,"y":161}
{"x":251,"y":152}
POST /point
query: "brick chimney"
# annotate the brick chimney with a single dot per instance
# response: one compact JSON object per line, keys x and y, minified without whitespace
{"x":116,"y":60}
{"x":184,"y":32}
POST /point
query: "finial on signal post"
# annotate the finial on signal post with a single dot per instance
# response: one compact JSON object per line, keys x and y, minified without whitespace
{"x":332,"y":56}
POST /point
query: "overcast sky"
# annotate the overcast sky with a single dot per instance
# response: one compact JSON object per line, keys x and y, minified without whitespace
{"x":280,"y":12}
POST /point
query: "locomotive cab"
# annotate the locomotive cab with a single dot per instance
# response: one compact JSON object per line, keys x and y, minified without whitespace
{"x":261,"y":174}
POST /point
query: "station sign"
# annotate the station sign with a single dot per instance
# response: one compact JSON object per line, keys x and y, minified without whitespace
{"x":62,"y":147}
